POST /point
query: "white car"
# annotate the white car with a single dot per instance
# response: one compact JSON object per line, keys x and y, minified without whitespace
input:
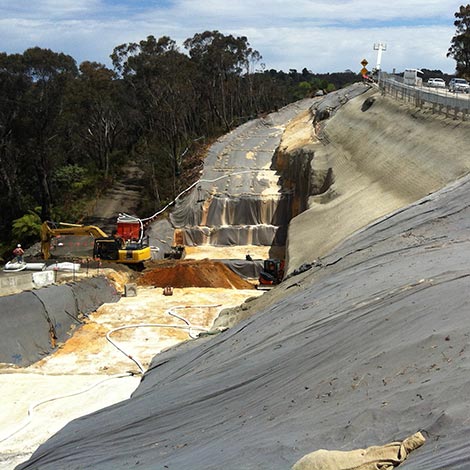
{"x":436,"y":83}
{"x":459,"y":84}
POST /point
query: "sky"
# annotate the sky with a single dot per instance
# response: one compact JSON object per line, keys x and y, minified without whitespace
{"x":320,"y":35}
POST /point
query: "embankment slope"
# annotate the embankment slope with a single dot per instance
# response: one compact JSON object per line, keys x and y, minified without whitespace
{"x":382,"y":157}
{"x":366,"y":349}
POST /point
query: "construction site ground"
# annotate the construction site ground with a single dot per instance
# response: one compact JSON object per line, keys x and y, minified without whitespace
{"x":88,"y":361}
{"x":375,"y":173}
{"x":233,"y":252}
{"x":89,"y":372}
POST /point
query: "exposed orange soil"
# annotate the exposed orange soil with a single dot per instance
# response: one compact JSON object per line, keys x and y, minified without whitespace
{"x":192,"y":273}
{"x":89,"y":352}
{"x":89,"y":336}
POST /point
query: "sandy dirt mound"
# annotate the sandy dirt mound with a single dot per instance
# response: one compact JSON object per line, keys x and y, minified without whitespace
{"x":192,"y":273}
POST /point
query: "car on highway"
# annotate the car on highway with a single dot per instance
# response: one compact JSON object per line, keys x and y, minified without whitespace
{"x":436,"y":83}
{"x":459,"y":84}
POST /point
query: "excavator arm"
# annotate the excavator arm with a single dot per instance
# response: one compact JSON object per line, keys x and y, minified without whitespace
{"x":49,"y":230}
{"x":105,"y":247}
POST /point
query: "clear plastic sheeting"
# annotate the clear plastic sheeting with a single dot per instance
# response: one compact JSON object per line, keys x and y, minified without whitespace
{"x":241,"y":210}
{"x":265,"y":235}
{"x":224,"y":210}
{"x":367,"y":347}
{"x":239,"y":185}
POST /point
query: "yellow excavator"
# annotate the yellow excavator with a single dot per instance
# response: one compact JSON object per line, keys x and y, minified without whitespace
{"x":126,"y":245}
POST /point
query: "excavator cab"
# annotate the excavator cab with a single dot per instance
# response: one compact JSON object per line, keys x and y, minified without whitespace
{"x":113,"y":249}
{"x":107,"y":248}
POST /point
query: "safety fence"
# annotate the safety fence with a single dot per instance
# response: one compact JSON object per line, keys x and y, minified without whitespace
{"x":439,"y":101}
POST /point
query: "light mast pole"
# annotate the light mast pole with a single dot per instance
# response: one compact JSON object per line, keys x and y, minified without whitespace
{"x":379,"y":47}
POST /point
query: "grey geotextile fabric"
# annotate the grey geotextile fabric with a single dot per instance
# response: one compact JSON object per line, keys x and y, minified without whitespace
{"x":33,"y":323}
{"x":368,"y":346}
{"x":239,"y":199}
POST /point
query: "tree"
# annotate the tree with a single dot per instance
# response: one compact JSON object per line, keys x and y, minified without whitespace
{"x":48,"y":73}
{"x":160,"y":78}
{"x":221,"y":62}
{"x":13,"y":86}
{"x":459,"y":49}
{"x":92,"y":118}
{"x":303,"y":90}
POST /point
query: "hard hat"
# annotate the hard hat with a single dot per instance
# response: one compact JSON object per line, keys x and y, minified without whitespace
{"x":18,"y":246}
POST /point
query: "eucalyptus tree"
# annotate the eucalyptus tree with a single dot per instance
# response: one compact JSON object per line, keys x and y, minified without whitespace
{"x":93,"y":119}
{"x":459,"y":49}
{"x":160,"y":79}
{"x":48,"y":73}
{"x":222,"y":62}
{"x":13,"y":86}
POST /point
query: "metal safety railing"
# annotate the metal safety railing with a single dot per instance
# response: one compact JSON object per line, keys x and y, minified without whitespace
{"x":439,"y":101}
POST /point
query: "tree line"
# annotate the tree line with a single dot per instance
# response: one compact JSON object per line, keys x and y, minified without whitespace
{"x":66,"y":130}
{"x":459,"y":48}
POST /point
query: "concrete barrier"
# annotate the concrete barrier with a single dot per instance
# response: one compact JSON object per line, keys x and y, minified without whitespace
{"x":9,"y":284}
{"x":43,"y":278}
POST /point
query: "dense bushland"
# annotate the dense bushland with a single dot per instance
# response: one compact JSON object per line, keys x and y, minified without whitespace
{"x":66,"y":131}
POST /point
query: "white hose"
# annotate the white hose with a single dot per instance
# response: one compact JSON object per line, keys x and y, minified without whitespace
{"x":144,"y":325}
{"x":188,"y":326}
{"x":33,"y":406}
{"x":146,"y":219}
{"x":170,"y":311}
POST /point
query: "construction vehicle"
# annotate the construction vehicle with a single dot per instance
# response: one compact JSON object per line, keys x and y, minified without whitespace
{"x":126,"y":245}
{"x":272,"y":273}
{"x":176,"y":252}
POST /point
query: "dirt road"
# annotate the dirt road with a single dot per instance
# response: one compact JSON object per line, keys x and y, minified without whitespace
{"x":123,"y":197}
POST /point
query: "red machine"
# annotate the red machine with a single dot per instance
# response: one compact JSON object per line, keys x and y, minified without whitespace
{"x":272,"y":273}
{"x":129,"y":230}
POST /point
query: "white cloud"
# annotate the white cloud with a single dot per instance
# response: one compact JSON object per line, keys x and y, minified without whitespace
{"x":43,"y":9}
{"x":338,"y":49}
{"x":319,"y":11}
{"x":320,"y":35}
